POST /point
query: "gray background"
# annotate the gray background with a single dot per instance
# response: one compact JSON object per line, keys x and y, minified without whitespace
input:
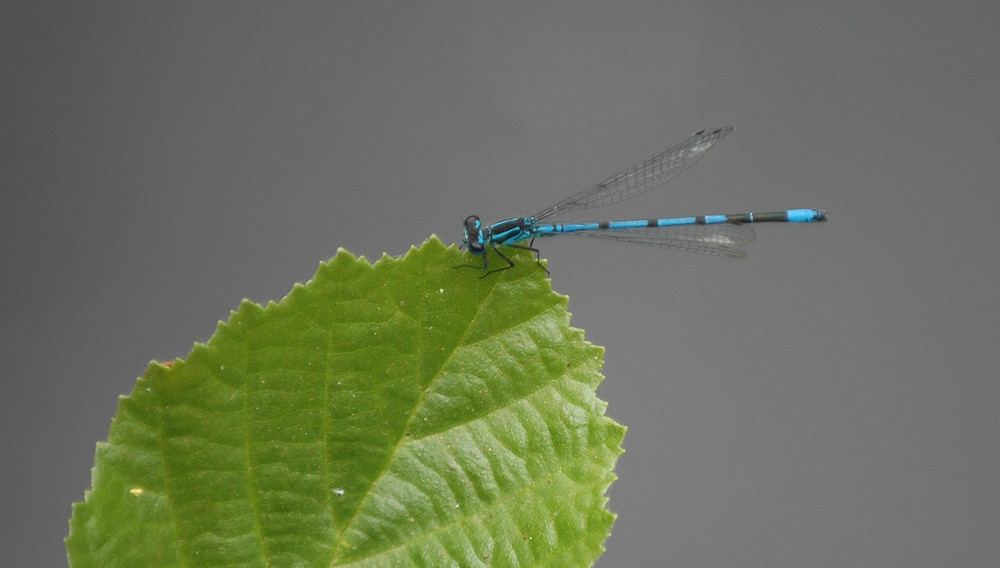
{"x":831,"y":400}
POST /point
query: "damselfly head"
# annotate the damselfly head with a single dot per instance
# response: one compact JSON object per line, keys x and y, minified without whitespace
{"x":473,"y":234}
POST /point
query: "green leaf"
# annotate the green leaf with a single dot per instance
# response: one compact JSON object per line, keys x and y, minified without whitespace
{"x":405,"y":413}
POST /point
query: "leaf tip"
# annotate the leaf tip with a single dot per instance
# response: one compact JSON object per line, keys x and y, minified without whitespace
{"x":344,"y":254}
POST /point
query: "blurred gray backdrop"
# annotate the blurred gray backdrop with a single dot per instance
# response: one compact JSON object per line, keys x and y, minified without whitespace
{"x":831,"y":400}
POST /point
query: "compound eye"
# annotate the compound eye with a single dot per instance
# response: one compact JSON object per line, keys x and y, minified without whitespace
{"x":472,"y":223}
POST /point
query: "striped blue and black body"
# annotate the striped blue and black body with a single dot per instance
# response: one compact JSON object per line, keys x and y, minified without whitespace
{"x":709,"y":234}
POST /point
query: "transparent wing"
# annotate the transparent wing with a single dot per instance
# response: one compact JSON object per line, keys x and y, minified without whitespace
{"x":716,"y":239}
{"x":641,"y":177}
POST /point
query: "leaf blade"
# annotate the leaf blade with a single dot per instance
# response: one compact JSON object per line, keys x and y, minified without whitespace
{"x":398,"y":412}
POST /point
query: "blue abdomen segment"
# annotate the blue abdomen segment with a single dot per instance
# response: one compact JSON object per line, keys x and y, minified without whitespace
{"x":806,"y":215}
